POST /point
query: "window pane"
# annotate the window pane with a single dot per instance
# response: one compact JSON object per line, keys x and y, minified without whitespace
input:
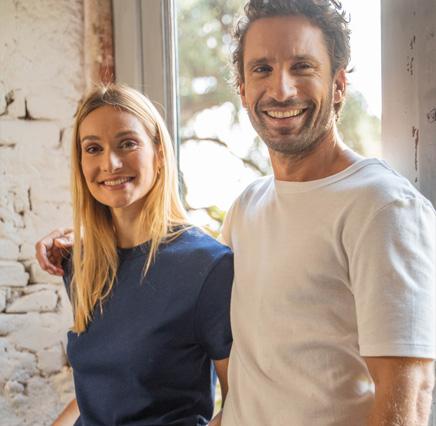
{"x":216,"y":138}
{"x":220,"y":152}
{"x":360,"y":125}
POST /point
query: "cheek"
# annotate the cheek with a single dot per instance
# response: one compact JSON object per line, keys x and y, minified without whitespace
{"x":146,"y":164}
{"x":88,"y":170}
{"x":251,"y":92}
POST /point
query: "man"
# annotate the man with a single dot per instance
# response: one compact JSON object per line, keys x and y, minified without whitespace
{"x":334,"y":255}
{"x":333,"y":300}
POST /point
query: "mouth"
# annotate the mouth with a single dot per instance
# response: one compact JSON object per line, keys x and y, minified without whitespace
{"x":116,"y":182}
{"x":285,"y":114}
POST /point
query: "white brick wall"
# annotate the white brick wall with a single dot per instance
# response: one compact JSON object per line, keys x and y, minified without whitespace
{"x":41,"y":81}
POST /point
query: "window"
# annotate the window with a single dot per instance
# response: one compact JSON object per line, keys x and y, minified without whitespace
{"x":219,"y":152}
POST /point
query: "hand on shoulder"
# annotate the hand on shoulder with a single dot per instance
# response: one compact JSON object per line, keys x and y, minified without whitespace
{"x":51,"y":249}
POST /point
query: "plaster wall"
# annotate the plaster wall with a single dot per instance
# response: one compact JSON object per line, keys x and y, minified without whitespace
{"x":41,"y":82}
{"x":409,"y":94}
{"x":409,"y":90}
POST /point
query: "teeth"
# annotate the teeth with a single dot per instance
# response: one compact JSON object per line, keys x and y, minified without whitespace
{"x":285,"y":114}
{"x":116,"y":181}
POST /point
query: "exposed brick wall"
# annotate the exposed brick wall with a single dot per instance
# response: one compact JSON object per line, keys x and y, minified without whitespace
{"x":42,"y":78}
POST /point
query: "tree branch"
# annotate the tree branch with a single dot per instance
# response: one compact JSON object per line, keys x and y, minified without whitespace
{"x":246,"y":161}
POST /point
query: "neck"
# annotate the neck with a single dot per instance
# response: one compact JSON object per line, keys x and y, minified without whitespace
{"x":330,"y":156}
{"x":129,"y":230}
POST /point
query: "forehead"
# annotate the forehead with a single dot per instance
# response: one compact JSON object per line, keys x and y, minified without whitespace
{"x":282,"y":37}
{"x":108,"y":119}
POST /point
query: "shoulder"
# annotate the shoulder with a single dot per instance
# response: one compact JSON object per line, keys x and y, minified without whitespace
{"x":192,"y":259}
{"x":195,"y":245}
{"x":256,"y":188}
{"x":382,"y":207}
{"x":376,"y":186}
{"x":253,"y":193}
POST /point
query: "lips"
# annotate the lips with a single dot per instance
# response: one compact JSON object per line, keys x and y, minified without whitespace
{"x":285,"y":114}
{"x":117,"y":181}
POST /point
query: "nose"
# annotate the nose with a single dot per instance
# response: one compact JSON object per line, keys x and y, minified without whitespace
{"x":111,"y":162}
{"x":283,"y":86}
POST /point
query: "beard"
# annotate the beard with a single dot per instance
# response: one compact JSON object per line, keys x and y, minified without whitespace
{"x":289,"y":141}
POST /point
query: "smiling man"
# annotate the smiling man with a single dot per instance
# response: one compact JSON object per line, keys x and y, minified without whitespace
{"x":333,"y":301}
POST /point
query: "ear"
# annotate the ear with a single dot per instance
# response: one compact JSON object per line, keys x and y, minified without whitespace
{"x":242,"y":94}
{"x":339,"y":86}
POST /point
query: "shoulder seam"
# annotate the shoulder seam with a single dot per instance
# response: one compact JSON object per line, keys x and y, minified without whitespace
{"x":417,"y":199}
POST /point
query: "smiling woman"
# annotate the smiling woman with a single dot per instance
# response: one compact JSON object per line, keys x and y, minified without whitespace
{"x":150,"y":293}
{"x":119,"y":162}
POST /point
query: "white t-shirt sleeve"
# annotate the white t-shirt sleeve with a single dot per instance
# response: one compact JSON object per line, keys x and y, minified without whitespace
{"x":392,"y":273}
{"x":225,"y":235}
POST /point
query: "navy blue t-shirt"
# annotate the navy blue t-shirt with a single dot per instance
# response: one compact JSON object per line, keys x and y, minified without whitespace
{"x":145,"y":360}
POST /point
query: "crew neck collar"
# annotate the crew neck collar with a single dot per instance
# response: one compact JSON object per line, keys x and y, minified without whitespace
{"x":287,"y":187}
{"x":138,"y":250}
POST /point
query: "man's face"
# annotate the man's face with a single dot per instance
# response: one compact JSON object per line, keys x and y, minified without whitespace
{"x":288,"y":88}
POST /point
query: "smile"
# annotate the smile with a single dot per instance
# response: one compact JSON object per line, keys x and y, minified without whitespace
{"x":285,"y":114}
{"x":119,"y":181}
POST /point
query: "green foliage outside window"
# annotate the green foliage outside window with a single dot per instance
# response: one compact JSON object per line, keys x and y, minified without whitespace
{"x":204,"y":43}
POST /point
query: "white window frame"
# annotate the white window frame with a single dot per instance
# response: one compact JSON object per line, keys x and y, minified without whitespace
{"x":146,"y":54}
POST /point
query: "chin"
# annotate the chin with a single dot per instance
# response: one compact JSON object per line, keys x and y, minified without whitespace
{"x":291,"y":147}
{"x":113,"y":204}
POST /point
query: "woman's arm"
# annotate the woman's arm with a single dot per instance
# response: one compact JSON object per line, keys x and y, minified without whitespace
{"x":69,"y":416}
{"x":221,"y":371}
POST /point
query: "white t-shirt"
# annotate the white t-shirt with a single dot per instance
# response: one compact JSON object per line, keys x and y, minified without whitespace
{"x":326,"y":272}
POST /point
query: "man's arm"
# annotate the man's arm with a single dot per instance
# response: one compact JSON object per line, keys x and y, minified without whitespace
{"x":403,"y":390}
{"x":49,"y":250}
{"x":221,"y":370}
{"x":69,"y":416}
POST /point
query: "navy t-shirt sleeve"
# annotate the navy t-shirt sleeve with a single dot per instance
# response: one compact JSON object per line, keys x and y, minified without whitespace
{"x":212,"y":316}
{"x":67,"y":266}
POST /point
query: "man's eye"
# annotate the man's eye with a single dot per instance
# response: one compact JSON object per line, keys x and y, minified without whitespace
{"x":262,"y":69}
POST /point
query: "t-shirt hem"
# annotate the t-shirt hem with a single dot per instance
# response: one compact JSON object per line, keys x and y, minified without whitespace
{"x":222,"y":354}
{"x":404,"y":350}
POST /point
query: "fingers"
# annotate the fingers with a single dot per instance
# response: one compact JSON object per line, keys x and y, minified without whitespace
{"x":43,"y":252}
{"x":64,"y":242}
{"x":48,"y":253}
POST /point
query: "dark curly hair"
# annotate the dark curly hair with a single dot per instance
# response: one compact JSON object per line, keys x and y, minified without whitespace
{"x":328,"y":15}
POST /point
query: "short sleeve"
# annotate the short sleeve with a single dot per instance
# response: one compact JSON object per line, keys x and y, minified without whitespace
{"x":67,"y":266}
{"x":225,"y":234}
{"x":392,"y":274}
{"x":212,"y":316}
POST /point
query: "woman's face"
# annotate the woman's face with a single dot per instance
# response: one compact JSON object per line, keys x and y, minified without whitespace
{"x":118,"y":158}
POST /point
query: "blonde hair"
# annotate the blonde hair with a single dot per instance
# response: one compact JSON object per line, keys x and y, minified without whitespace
{"x":95,"y":259}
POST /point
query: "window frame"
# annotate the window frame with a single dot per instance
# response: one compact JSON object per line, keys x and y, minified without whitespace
{"x":156,"y":72}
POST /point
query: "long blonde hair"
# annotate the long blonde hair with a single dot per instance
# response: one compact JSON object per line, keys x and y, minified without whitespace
{"x":95,"y":259}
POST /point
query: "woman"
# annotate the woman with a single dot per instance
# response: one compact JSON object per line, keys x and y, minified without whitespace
{"x":150,"y":293}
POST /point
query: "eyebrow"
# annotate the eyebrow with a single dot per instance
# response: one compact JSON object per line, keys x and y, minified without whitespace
{"x":121,"y":134}
{"x":267,"y":60}
{"x":258,"y":61}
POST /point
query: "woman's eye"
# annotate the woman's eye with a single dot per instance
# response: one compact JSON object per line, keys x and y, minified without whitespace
{"x":127,"y":144}
{"x":302,"y":66}
{"x":92,"y":149}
